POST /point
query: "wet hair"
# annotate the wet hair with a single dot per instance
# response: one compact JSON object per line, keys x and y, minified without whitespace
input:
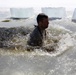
{"x":40,"y":17}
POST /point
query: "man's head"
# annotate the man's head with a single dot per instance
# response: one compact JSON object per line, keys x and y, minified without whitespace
{"x":42,"y":21}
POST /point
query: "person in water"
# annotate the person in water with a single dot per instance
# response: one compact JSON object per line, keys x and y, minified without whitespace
{"x":39,"y":33}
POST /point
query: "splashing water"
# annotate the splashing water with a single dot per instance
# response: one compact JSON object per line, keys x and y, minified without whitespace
{"x":16,"y":60}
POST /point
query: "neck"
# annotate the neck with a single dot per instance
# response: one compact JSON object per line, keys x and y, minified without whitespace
{"x":42,"y":29}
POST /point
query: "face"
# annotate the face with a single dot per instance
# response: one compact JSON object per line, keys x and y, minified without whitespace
{"x":44,"y":23}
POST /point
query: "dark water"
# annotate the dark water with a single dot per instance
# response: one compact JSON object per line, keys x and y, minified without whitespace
{"x":16,"y":60}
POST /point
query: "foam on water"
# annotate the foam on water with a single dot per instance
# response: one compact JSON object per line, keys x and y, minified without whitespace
{"x":60,"y":38}
{"x":16,"y":60}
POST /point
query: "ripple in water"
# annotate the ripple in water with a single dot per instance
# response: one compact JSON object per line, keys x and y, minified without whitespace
{"x":59,"y":39}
